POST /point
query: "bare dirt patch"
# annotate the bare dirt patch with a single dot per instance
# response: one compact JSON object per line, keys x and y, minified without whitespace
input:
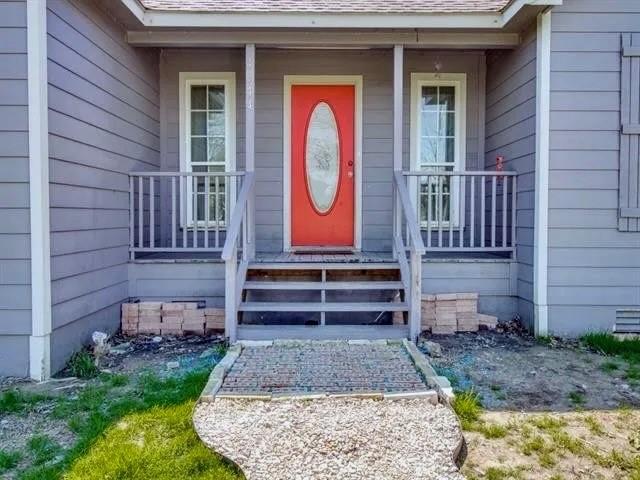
{"x":512,"y":372}
{"x":552,"y":409}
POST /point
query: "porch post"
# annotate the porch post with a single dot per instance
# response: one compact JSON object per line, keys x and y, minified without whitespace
{"x":250,"y":123}
{"x":398,"y":54}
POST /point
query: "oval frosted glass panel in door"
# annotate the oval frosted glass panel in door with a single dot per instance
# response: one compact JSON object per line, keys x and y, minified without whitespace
{"x":322,"y":158}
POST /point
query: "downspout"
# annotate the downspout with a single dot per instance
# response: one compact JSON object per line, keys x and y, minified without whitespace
{"x":541,"y":221}
{"x":40,"y":339}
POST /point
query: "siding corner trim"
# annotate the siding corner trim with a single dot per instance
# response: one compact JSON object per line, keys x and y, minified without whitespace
{"x":40,"y":339}
{"x":541,"y":221}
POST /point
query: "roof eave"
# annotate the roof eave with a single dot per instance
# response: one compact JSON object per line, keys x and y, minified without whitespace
{"x":248,"y":20}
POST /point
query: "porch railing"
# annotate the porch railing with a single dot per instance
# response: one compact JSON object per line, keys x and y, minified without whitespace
{"x":465,"y":211}
{"x":239,"y":236}
{"x":180,"y":211}
{"x":411,"y":241}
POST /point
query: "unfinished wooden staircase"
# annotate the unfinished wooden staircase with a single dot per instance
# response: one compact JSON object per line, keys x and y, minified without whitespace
{"x":339,"y":288}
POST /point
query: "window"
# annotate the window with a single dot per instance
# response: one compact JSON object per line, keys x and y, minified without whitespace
{"x":207,"y":132}
{"x":438,"y":104}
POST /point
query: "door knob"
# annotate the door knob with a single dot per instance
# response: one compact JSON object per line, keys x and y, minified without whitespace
{"x":350,"y":163}
{"x":350,"y":174}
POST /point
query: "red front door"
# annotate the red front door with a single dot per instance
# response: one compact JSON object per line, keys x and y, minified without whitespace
{"x":322,"y":165}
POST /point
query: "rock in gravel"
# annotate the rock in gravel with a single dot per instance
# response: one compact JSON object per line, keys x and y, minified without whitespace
{"x":346,"y":438}
{"x":156,"y":339}
{"x":433,"y":349}
{"x":173,"y":365}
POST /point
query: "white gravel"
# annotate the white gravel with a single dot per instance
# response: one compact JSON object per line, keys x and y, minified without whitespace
{"x":347,"y":438}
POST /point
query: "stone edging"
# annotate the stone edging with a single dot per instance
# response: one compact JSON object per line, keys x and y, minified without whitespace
{"x":218,"y":373}
{"x":439,"y":383}
{"x":438,"y":389}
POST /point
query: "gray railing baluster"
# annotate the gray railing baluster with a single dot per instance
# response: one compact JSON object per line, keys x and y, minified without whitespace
{"x":173,"y":212}
{"x":131,"y":219}
{"x":206,"y":211}
{"x":451,"y":211}
{"x":514,"y":211}
{"x":440,"y":213}
{"x":216,"y":212}
{"x":183,"y":208}
{"x":194,"y":209}
{"x":493,"y":211}
{"x":505,"y":190}
{"x":140,"y":212}
{"x":472,"y":213}
{"x":482,"y":211}
{"x":152,"y":220}
{"x":429,"y":220}
{"x":463,"y":192}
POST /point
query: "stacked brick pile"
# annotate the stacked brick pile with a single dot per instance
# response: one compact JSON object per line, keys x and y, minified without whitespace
{"x":149,"y":317}
{"x":174,"y":318}
{"x":130,"y":319}
{"x":445,"y":314}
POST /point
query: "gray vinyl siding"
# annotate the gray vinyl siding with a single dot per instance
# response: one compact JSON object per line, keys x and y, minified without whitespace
{"x":376,"y":68}
{"x":494,"y":280}
{"x":593,"y":268}
{"x":510,"y":132}
{"x":192,"y":281}
{"x":103,"y":123}
{"x":15,"y":263}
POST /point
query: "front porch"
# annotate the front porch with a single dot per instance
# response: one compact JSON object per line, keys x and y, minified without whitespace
{"x":208,"y":231}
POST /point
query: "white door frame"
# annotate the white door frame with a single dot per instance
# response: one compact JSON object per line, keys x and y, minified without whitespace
{"x":289,"y":81}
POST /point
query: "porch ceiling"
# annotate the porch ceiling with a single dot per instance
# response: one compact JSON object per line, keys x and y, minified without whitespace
{"x":322,"y":6}
{"x":323,"y":39}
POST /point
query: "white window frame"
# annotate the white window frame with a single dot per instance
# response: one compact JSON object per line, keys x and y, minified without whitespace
{"x":459,"y":82}
{"x":228,"y":81}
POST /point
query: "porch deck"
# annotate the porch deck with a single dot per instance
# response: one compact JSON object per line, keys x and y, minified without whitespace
{"x":288,"y":257}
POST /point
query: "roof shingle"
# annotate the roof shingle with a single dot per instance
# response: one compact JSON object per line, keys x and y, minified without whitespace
{"x":329,"y":6}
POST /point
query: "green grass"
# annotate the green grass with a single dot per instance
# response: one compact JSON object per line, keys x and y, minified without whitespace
{"x":608,"y":344}
{"x":107,"y":400}
{"x":545,"y":339}
{"x":82,"y":365}
{"x":43,"y":449}
{"x":609,"y":366}
{"x":159,"y":444}
{"x":468,"y":407}
{"x":577,"y":399}
{"x":491,"y":430}
{"x":9,"y":460}
{"x":632,"y":373}
{"x":594,"y":425}
{"x":17,"y":401}
{"x":547,"y":423}
{"x":115,"y":379}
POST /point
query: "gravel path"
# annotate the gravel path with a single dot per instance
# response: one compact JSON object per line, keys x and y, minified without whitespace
{"x":347,"y":438}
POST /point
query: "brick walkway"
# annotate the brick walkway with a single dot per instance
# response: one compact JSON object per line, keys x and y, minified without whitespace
{"x":322,"y":368}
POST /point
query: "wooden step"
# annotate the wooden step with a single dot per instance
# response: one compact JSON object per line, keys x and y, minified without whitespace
{"x":323,"y":307}
{"x":324,"y":266}
{"x":293,"y":285}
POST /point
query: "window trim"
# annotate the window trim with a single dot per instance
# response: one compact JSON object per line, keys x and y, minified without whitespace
{"x":459,"y":82}
{"x":228,"y":81}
